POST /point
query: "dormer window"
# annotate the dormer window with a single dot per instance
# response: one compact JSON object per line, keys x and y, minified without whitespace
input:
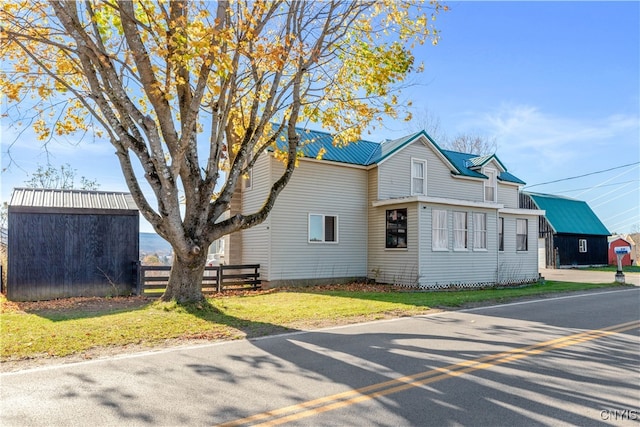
{"x":418,"y":177}
{"x":491,"y":185}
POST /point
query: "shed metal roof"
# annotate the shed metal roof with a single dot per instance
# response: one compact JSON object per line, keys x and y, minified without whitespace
{"x":569,"y":216}
{"x":44,"y":199}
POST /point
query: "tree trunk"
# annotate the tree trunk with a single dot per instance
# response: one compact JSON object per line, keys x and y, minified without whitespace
{"x":185,"y":280}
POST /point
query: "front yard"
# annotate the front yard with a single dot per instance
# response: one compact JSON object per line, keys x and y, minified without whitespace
{"x":85,"y":328}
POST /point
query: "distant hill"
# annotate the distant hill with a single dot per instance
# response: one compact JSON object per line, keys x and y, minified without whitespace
{"x":151,"y":243}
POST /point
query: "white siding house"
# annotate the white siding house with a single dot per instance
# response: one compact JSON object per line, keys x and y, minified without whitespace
{"x":404,"y":212}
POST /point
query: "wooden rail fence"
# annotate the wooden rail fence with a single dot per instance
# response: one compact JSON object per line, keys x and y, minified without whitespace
{"x":153,"y":279}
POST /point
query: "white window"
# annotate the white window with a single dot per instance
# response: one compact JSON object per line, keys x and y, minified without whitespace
{"x":396,"y":226}
{"x":439,"y":230}
{"x":522,"y":230}
{"x":491,"y":185}
{"x":501,"y":234}
{"x":460,"y":231}
{"x":418,"y":177}
{"x":582,"y":245}
{"x":323,"y":228}
{"x":247,"y":178}
{"x":479,"y":230}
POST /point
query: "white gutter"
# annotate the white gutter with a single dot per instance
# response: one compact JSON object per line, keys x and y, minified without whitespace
{"x":436,"y":200}
{"x":512,"y":211}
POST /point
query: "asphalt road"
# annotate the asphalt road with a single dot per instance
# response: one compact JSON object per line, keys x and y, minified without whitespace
{"x":572,"y":360}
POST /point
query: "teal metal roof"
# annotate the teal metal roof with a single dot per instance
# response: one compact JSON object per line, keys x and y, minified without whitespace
{"x":312,"y":141}
{"x":365,"y":153}
{"x":569,"y":215}
{"x":506,"y":176}
{"x":463,"y":163}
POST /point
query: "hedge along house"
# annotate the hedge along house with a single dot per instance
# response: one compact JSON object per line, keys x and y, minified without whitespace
{"x":403,"y":211}
{"x":66,"y":243}
{"x":573,"y":234}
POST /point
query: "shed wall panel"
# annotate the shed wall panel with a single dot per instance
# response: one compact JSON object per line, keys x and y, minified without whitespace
{"x":568,"y":250}
{"x":64,"y":255}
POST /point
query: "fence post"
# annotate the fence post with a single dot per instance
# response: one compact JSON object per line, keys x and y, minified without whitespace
{"x":219,"y":277}
{"x":255,"y":278}
{"x":139,"y":277}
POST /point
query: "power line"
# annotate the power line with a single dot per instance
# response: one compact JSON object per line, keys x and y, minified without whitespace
{"x":582,"y":176}
{"x":624,"y":224}
{"x":598,"y":186}
{"x":615,"y":190}
{"x":613,"y":178}
{"x":635,"y":208}
{"x":635,"y":190}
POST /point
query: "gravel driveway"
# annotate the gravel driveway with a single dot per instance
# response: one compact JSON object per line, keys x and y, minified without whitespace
{"x":586,"y":276}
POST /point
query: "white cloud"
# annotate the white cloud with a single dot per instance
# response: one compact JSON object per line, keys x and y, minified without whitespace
{"x":528,"y":136}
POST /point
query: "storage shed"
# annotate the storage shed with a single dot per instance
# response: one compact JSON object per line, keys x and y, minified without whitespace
{"x":573,"y":234}
{"x":67,"y":243}
{"x":618,"y":242}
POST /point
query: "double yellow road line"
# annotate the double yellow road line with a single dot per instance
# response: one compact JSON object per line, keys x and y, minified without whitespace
{"x":351,"y":397}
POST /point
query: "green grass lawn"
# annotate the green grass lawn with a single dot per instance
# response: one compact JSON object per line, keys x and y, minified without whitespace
{"x":41,"y":330}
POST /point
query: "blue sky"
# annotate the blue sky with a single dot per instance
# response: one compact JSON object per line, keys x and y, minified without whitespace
{"x":557,"y":84}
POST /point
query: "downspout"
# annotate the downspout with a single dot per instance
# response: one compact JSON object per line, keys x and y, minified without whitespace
{"x":270,"y":224}
{"x":498,"y":246}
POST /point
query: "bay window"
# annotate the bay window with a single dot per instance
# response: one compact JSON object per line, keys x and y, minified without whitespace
{"x":479,"y":230}
{"x":460,"y":231}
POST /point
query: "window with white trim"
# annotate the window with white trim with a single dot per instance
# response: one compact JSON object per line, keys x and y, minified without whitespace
{"x":501,"y":234}
{"x":439,"y":233}
{"x":247,"y":177}
{"x":582,"y":245}
{"x":323,"y":228}
{"x":479,"y":230}
{"x":522,"y":231}
{"x":491,"y":185}
{"x":460,"y":231}
{"x":418,"y":177}
{"x":396,"y":228}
